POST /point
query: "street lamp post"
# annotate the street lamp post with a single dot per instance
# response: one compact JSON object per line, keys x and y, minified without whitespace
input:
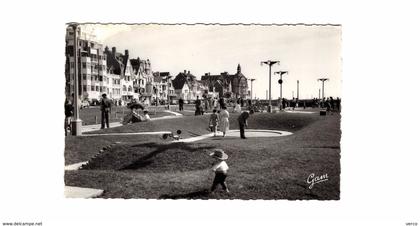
{"x":252,"y":80}
{"x":269,"y":63}
{"x":76,"y":122}
{"x":323,"y":80}
{"x":169,"y":99}
{"x":155,"y":90}
{"x":281,"y":73}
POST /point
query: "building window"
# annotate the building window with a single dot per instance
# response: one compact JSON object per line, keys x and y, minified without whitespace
{"x":124,"y":88}
{"x":100,"y":78}
{"x":84,"y":76}
{"x":84,"y":65}
{"x":92,"y":88}
{"x":97,"y":88}
{"x":129,"y":89}
{"x":84,"y":88}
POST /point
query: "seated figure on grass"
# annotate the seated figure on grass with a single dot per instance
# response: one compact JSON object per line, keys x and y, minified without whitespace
{"x":133,"y":116}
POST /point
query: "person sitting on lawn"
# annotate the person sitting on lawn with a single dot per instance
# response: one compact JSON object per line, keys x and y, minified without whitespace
{"x":220,"y":169}
{"x":146,"y":117}
{"x":213,"y":122}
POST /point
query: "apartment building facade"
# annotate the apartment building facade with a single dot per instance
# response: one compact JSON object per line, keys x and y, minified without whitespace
{"x":92,"y":77}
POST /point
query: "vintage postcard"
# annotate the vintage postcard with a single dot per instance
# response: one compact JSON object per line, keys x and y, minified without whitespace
{"x":202,"y":111}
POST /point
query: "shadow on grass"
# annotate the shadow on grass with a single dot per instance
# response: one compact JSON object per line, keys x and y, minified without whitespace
{"x":160,"y":148}
{"x":202,"y":194}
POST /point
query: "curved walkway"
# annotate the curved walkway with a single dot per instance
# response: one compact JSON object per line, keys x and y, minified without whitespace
{"x":96,"y":127}
{"x":235,"y":133}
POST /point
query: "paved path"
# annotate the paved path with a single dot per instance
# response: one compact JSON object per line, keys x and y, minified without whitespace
{"x":235,"y":133}
{"x":302,"y":112}
{"x":172,"y":112}
{"x":125,"y":134}
{"x":206,"y":113}
{"x":96,"y":127}
{"x":89,"y":128}
{"x":75,"y":166}
{"x":78,"y":192}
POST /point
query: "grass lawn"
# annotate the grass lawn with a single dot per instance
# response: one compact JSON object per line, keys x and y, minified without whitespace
{"x":260,"y":168}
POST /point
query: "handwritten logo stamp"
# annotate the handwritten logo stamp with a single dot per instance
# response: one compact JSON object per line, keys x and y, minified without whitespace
{"x":313,"y":179}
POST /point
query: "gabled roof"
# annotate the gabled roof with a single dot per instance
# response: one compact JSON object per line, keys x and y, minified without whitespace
{"x":135,"y":64}
{"x":114,"y":65}
{"x":183,"y":78}
{"x":125,"y":62}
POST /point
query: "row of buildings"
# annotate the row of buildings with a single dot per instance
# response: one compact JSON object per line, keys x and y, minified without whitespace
{"x":103,"y":70}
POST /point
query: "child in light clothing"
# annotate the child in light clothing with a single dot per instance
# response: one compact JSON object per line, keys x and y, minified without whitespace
{"x":146,"y":116}
{"x":214,"y":121}
{"x":220,"y":169}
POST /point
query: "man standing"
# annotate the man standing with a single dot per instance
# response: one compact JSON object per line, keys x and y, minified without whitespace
{"x":221,"y":103}
{"x":68,"y":111}
{"x":181,"y":104}
{"x":105,"y":110}
{"x":197,"y":106}
{"x":243,"y":122}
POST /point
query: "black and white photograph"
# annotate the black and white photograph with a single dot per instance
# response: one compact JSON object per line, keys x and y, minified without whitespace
{"x":155,"y":111}
{"x":208,"y":113}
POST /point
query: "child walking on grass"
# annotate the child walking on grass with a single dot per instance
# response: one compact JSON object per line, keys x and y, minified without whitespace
{"x":213,"y":122}
{"x":220,"y":169}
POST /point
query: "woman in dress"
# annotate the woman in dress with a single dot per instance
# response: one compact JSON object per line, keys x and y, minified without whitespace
{"x":224,"y":120}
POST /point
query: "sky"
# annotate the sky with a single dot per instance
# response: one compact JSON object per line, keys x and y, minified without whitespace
{"x":306,"y":52}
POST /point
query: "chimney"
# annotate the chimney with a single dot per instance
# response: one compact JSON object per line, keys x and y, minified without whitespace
{"x":106,"y":49}
{"x":188,"y":72}
{"x":114,"y":51}
{"x":126,"y":52}
{"x":185,"y":71}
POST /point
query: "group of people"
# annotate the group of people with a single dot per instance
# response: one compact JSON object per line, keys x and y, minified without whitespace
{"x":220,"y":120}
{"x":105,"y":107}
{"x":204,"y":105}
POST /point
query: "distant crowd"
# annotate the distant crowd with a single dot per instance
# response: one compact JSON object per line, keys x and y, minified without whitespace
{"x":203,"y":105}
